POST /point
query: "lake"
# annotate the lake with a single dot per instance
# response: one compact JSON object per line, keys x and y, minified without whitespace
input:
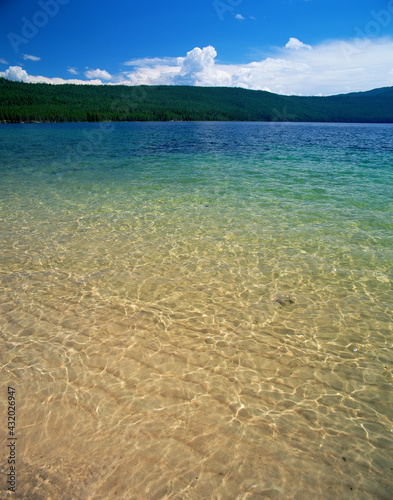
{"x":198,"y":310}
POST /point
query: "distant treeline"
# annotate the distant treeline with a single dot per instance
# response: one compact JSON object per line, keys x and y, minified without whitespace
{"x":41,"y":102}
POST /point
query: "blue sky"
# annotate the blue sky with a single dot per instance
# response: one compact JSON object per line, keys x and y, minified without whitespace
{"x":308,"y":47}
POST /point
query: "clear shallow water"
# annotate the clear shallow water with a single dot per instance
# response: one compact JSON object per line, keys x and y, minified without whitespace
{"x":198,"y":310}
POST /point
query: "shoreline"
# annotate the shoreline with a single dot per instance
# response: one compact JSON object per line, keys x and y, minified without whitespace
{"x":37,"y":122}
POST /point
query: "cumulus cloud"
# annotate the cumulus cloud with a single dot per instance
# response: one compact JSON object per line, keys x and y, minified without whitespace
{"x":27,"y":57}
{"x":328,"y":68}
{"x":73,"y":71}
{"x":296,"y":44}
{"x":16,"y":74}
{"x":197,"y":68}
{"x":98,"y":73}
{"x":240,"y":17}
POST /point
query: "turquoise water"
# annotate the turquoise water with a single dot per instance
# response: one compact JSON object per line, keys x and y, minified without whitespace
{"x":198,"y":310}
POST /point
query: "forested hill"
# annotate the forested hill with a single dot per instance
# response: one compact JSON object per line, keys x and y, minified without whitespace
{"x":41,"y":102}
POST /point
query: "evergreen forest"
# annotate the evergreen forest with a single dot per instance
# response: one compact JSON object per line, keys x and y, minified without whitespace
{"x":42,"y":102}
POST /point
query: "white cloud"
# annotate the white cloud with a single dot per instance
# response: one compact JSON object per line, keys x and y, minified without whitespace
{"x":331,"y":67}
{"x":98,"y":73}
{"x":27,"y":57}
{"x":197,"y":68}
{"x":73,"y":71}
{"x":3,"y":61}
{"x":16,"y":73}
{"x":155,"y":74}
{"x":240,"y":17}
{"x":328,"y":68}
{"x":197,"y":65}
{"x":296,"y":44}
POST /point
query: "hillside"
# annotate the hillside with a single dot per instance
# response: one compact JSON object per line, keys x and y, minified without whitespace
{"x":24,"y":102}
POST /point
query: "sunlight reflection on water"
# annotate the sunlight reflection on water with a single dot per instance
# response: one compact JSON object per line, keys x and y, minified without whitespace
{"x":210,"y":319}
